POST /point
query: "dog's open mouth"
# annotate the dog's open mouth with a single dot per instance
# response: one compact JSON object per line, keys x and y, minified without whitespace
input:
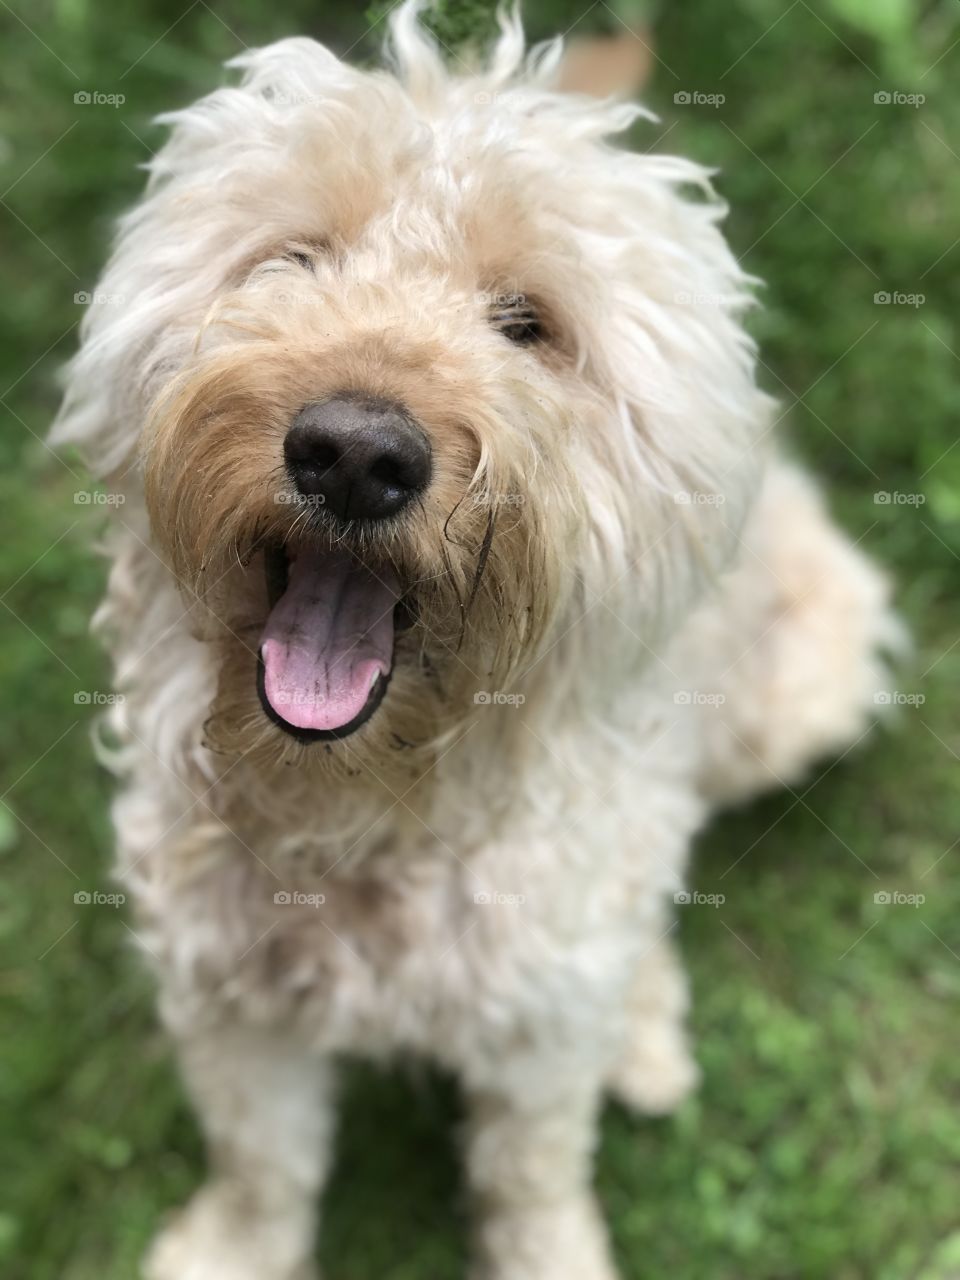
{"x":326,"y":654}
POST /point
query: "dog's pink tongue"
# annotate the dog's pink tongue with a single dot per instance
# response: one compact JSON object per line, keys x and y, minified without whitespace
{"x":327,"y":639}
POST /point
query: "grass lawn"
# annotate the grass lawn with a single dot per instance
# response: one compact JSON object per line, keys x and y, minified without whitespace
{"x":825,"y":1141}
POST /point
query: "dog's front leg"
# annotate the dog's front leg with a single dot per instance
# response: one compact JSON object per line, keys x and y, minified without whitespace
{"x":529,"y":1162}
{"x":263,"y":1102}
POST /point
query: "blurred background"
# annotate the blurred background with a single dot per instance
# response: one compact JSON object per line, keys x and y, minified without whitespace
{"x":825,"y":1141}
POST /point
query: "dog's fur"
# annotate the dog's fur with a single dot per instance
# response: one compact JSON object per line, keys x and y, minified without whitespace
{"x":611,"y":548}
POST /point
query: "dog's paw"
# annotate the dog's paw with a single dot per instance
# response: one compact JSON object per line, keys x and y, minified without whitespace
{"x":561,"y":1242}
{"x":216,"y":1237}
{"x":657,"y":1073}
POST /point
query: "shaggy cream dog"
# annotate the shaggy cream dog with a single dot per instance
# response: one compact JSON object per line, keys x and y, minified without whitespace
{"x":457,"y":579}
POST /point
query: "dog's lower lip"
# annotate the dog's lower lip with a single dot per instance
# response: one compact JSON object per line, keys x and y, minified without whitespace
{"x":306,"y":736}
{"x":276,"y":564}
{"x":405,"y":613}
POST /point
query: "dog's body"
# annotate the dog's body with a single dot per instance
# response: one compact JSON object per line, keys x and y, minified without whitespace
{"x":626,"y":610}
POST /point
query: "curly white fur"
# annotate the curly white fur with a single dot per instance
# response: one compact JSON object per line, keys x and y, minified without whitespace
{"x":505,"y":908}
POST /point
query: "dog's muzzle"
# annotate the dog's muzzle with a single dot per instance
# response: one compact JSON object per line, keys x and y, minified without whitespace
{"x":327,"y":648}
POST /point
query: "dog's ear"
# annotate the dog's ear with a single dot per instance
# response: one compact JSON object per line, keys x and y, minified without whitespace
{"x":661,"y":332}
{"x":679,"y":297}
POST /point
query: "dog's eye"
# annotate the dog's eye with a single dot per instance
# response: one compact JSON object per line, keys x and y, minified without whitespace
{"x":300,"y":258}
{"x":517,"y":319}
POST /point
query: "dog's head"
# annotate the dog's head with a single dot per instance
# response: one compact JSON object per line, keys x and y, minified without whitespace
{"x":425,"y":382}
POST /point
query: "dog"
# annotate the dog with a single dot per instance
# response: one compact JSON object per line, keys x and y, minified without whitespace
{"x":458,"y":579}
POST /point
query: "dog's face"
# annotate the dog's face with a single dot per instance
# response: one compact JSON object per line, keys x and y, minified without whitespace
{"x":425,"y":374}
{"x":379,"y":424}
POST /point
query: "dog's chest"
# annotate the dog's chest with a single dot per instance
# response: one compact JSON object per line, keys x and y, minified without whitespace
{"x":430,"y":955}
{"x":403,"y":961}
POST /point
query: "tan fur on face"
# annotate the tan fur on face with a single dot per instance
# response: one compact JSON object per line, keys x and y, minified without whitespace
{"x":475,"y":552}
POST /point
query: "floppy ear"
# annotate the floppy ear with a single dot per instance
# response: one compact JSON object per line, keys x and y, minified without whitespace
{"x":685,"y":372}
{"x":660,"y":315}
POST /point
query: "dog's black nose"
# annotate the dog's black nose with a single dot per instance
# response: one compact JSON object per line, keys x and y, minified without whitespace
{"x":362,"y":457}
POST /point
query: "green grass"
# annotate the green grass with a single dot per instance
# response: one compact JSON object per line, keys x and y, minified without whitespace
{"x":826,"y":1139}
